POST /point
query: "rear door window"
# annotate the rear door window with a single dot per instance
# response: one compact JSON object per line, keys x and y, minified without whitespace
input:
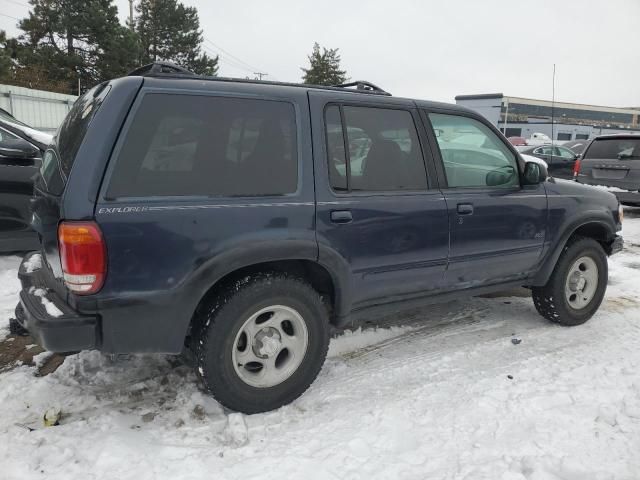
{"x":203,"y":145}
{"x":376,"y":149}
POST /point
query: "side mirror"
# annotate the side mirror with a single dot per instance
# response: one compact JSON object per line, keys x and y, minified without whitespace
{"x":500,"y":176}
{"x":17,"y":148}
{"x":534,"y":173}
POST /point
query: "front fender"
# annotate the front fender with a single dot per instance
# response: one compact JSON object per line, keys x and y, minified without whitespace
{"x":598,"y":222}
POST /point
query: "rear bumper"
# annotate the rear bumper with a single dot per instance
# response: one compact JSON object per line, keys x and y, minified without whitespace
{"x":628,"y":198}
{"x":51,"y":322}
{"x":629,"y":186}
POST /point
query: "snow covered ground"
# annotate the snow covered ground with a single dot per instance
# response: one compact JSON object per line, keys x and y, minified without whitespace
{"x":441,"y":393}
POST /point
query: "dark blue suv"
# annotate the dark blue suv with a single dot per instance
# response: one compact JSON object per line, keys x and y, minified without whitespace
{"x":241,"y":219}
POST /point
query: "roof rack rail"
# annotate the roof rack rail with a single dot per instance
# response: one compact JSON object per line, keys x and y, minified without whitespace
{"x":368,"y":87}
{"x":160,"y":68}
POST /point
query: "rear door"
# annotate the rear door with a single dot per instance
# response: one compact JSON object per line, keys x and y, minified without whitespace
{"x":613,"y":162}
{"x":498,"y":227}
{"x":379,"y":211}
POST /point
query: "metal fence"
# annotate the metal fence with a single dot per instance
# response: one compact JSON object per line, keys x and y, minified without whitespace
{"x":39,"y":109}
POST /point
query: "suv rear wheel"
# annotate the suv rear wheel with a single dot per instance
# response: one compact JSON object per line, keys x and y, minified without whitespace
{"x":577,"y":285}
{"x":262,"y":343}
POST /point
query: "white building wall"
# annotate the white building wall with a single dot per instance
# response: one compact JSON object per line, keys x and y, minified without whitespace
{"x":39,"y":109}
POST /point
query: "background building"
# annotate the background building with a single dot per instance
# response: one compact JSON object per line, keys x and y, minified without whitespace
{"x":39,"y":109}
{"x":521,"y":117}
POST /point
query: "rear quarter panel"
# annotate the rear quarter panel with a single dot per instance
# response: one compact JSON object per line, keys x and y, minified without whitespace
{"x":164,"y":253}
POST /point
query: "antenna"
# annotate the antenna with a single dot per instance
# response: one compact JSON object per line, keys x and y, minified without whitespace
{"x":553,"y":103}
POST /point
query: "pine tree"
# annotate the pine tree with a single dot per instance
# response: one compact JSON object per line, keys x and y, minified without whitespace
{"x":5,"y":57}
{"x":324,"y":67}
{"x":76,"y":40}
{"x":170,"y":31}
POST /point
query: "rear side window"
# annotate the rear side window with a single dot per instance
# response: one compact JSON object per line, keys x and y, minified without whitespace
{"x":374,"y":149}
{"x":201,"y":145}
{"x":614,"y":148}
{"x":75,"y":125}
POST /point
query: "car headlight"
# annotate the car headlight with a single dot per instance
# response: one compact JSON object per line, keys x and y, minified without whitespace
{"x":620,"y":213}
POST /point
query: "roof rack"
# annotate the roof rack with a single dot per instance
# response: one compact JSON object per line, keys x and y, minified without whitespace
{"x":159,"y":68}
{"x":169,"y":69}
{"x":364,"y":85}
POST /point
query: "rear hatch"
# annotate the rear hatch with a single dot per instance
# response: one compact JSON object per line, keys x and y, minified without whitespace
{"x":51,"y":181}
{"x":612,"y":162}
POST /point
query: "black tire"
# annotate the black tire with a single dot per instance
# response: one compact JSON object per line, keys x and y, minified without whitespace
{"x":16,"y":329}
{"x":551,"y":301}
{"x":215,"y":339}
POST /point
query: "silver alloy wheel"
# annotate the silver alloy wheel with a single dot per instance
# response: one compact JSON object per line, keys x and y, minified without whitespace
{"x":582,"y":283}
{"x":270,"y":346}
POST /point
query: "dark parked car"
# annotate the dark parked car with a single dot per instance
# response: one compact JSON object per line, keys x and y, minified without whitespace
{"x":241,"y":219}
{"x":560,"y":160}
{"x":576,"y":146}
{"x":613,"y":161}
{"x":21,"y":150}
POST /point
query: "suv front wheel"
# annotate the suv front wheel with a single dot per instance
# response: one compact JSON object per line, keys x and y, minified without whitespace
{"x":577,"y":285}
{"x":262,"y":343}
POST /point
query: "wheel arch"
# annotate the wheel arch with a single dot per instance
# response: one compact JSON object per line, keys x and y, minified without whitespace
{"x":598,"y":229}
{"x":321,"y":278}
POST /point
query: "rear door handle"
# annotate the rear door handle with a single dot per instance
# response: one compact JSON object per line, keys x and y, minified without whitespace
{"x":465,"y":209}
{"x":341,"y":216}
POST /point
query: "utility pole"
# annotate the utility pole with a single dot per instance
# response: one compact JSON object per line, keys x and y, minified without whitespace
{"x":506,"y":116}
{"x":259,"y":75}
{"x":553,"y":101}
{"x":131,"y":14}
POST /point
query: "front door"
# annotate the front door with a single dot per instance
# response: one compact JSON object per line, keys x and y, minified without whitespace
{"x":377,"y":211}
{"x":497,"y":227}
{"x":562,"y":163}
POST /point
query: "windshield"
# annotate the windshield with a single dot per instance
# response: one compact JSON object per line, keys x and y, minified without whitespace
{"x":613,"y":148}
{"x":7,"y":117}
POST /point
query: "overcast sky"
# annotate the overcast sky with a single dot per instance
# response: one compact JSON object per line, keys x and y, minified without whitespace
{"x":432,"y":49}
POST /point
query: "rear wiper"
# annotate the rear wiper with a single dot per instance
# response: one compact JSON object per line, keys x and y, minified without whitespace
{"x":623,"y":156}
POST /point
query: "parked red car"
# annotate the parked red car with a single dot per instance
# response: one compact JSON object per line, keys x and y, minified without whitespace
{"x":517,"y":141}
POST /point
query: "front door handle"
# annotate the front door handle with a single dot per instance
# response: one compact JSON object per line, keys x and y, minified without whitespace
{"x":465,"y":209}
{"x":341,"y":216}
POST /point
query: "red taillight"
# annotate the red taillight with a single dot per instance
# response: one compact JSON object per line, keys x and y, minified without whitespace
{"x":576,"y":168}
{"x":84,"y":256}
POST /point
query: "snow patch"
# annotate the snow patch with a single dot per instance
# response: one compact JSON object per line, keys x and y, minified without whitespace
{"x":34,"y":263}
{"x":49,"y":306}
{"x":237,"y":431}
{"x":40,"y":359}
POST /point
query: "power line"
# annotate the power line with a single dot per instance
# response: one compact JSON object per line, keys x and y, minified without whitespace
{"x":229,"y":62}
{"x":226,"y":61}
{"x":248,"y":66}
{"x":8,"y":16}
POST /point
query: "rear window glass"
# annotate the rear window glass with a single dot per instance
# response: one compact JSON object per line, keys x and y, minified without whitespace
{"x":614,"y":148}
{"x":202,"y":145}
{"x":76,"y":123}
